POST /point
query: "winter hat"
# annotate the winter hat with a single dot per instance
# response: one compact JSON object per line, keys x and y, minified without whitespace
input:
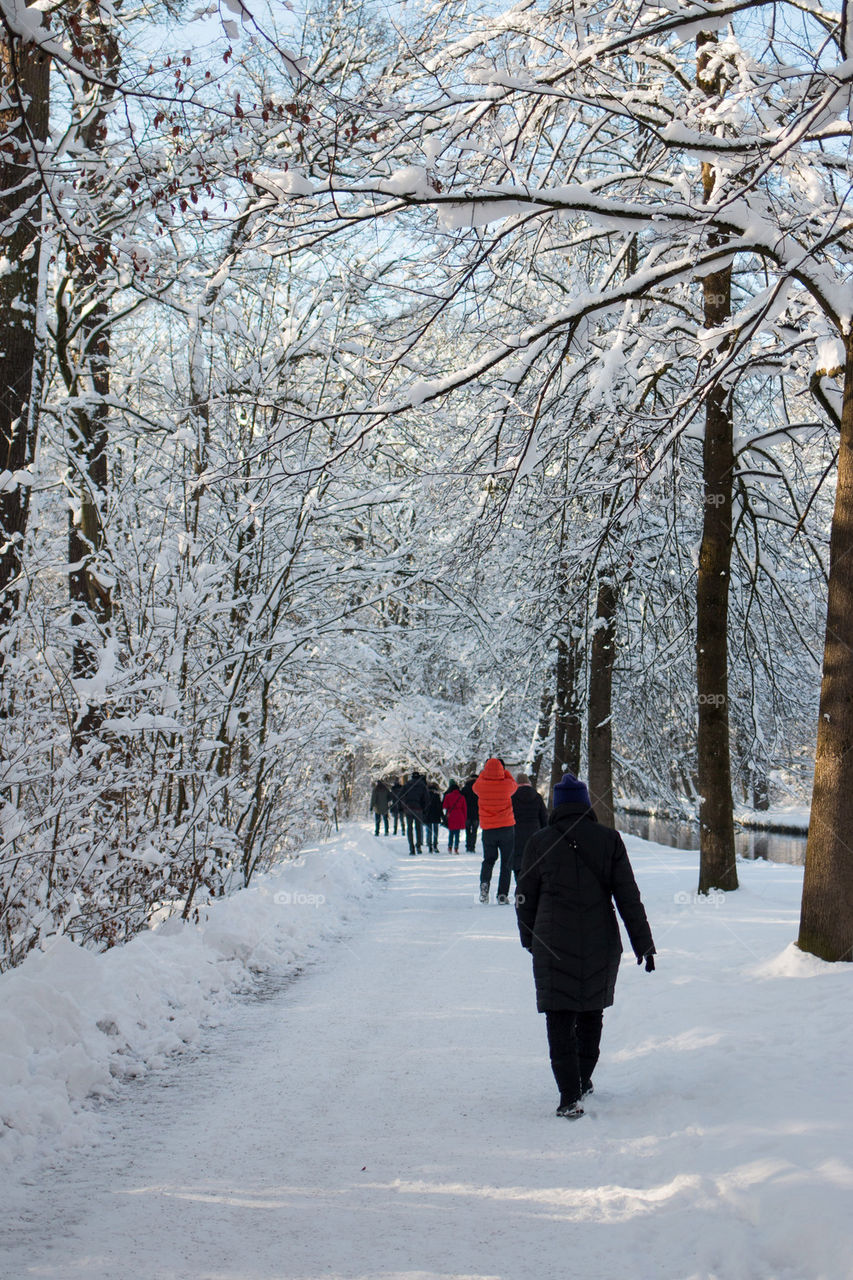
{"x":570,"y":790}
{"x":522,"y":779}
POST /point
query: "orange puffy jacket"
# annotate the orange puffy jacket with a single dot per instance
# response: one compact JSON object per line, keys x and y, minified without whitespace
{"x":493,"y":790}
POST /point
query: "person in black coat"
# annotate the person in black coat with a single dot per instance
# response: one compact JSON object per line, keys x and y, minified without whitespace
{"x":573,"y":872}
{"x":414,"y":798}
{"x":472,"y":817}
{"x":380,"y":803}
{"x":433,"y":815}
{"x":395,"y":810}
{"x":531,"y":815}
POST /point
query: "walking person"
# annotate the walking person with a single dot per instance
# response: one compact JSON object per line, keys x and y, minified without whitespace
{"x":531,"y":815}
{"x":432,"y":817}
{"x":380,"y":803}
{"x":573,"y":872}
{"x":457,"y":811}
{"x":472,"y":820}
{"x":413,"y":801}
{"x":494,"y":789}
{"x":396,"y":813}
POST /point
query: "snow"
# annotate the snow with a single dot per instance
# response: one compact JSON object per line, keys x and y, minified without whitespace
{"x":779,"y":818}
{"x":72,"y":1021}
{"x":390,"y":1112}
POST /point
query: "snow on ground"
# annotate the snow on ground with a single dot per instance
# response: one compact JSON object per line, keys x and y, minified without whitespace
{"x":389,"y":1115}
{"x":73,"y":1022}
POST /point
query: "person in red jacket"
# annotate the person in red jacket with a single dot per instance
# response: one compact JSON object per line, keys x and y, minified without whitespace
{"x":494,"y":789}
{"x":456,"y":808}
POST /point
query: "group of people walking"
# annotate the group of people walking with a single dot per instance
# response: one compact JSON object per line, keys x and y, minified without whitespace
{"x":572,"y":874}
{"x":419,"y":810}
{"x":507,"y":810}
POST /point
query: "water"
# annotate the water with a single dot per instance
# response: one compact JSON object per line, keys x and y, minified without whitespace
{"x":773,"y":845}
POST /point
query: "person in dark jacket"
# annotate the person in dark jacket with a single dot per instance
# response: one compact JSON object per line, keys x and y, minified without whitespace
{"x":396,"y":811}
{"x":531,"y":815}
{"x":413,"y":802}
{"x":573,"y":872}
{"x":433,"y":815}
{"x":472,"y":819}
{"x":380,"y":803}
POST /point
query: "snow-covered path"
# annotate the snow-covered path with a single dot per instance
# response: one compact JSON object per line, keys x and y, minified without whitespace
{"x":389,"y":1115}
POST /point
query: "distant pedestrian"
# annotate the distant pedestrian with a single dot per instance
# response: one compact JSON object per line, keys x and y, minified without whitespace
{"x":413,"y":801}
{"x":472,"y":820}
{"x":432,"y":817}
{"x":573,"y":872}
{"x":494,"y":789}
{"x":457,"y":811}
{"x":396,"y":812}
{"x":380,"y":803}
{"x":531,"y":815}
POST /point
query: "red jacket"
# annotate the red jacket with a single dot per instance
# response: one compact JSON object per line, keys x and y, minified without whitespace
{"x":493,"y":789}
{"x":456,"y":808}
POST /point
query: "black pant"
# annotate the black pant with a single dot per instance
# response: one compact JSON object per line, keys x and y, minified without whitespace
{"x":471,"y":829}
{"x":398,"y":819}
{"x":432,"y":835}
{"x":498,"y":841}
{"x":414,"y":832}
{"x":573,"y":1044}
{"x":379,"y":817}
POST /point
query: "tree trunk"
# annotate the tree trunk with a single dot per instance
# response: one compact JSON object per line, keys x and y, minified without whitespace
{"x":717,"y":861}
{"x":87,"y":377}
{"x":567,"y":720}
{"x":826,"y":917}
{"x":600,"y":709}
{"x":25,"y":83}
{"x":543,"y":730}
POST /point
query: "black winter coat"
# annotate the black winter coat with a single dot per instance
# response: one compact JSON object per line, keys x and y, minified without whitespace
{"x":414,"y":796}
{"x":472,"y":802}
{"x":434,"y":811}
{"x":531,"y":815}
{"x":380,"y":798}
{"x":565,"y":912}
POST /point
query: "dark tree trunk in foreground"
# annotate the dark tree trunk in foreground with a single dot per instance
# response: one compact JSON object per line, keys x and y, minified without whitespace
{"x":24,"y":87}
{"x":600,"y":710}
{"x":826,"y":918}
{"x":717,"y":861}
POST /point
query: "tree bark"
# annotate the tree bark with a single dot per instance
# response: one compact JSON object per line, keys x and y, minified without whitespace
{"x":25,"y":82}
{"x":567,"y":719}
{"x":717,"y":861}
{"x":600,"y":707}
{"x":87,"y":377}
{"x":826,"y":915}
{"x":543,"y":730}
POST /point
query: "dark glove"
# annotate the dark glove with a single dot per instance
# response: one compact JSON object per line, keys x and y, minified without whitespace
{"x":649,"y":958}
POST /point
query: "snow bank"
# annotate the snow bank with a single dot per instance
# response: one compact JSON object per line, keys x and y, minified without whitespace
{"x":73,"y":1022}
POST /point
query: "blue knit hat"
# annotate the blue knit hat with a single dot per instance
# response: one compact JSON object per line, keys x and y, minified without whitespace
{"x":570,"y":790}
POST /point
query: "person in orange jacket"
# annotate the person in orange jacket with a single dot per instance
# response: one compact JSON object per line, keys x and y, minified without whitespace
{"x":494,"y":789}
